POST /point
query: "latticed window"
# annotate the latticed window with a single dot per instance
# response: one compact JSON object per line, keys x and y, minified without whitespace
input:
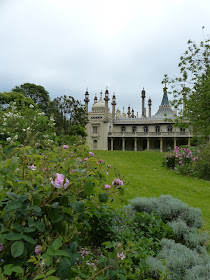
{"x":134,"y":128}
{"x":146,"y":129}
{"x":123,"y":128}
{"x":157,"y":129}
{"x":170,"y":128}
{"x":95,"y":129}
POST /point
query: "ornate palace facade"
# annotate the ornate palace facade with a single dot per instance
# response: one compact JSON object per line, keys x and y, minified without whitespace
{"x":128,"y":132}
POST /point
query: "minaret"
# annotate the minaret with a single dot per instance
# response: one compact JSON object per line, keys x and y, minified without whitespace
{"x":95,"y":99}
{"x":113,"y":107}
{"x":106,"y":99}
{"x":149,"y":105}
{"x":86,"y":101}
{"x":143,"y":94}
{"x":132,"y":115}
{"x":129,"y":111}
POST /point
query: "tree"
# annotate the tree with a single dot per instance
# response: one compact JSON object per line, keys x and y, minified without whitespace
{"x":38,"y":93}
{"x":192,"y":88}
{"x":7,"y":97}
{"x":69,"y":114}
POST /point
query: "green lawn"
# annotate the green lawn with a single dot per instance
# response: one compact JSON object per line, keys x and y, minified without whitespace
{"x":144,"y":176}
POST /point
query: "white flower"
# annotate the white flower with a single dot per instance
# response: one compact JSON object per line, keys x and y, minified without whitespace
{"x":16,"y":136}
{"x":23,"y":129}
{"x":31,"y":106}
{"x":28,"y":128}
{"x":8,"y":139}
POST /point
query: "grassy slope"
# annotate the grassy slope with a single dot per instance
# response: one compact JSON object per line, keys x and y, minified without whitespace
{"x":145,"y":177}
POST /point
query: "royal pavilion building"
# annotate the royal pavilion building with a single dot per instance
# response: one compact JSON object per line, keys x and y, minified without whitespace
{"x":115,"y":130}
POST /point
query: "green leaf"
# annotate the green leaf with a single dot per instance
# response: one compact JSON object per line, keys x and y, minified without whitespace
{"x":17,"y":269}
{"x":40,"y":226}
{"x":64,"y":269}
{"x":57,"y":244}
{"x":13,"y":236}
{"x":28,"y":229}
{"x":17,"y":249}
{"x":29,"y":239}
{"x":52,"y":278}
{"x":18,"y":228}
{"x":67,"y":211}
{"x":88,"y":188}
{"x":40,"y":276}
{"x":78,"y":206}
{"x":61,"y":253}
{"x":73,"y":246}
{"x":51,"y":271}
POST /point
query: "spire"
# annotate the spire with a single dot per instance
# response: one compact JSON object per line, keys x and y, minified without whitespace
{"x":165,"y":101}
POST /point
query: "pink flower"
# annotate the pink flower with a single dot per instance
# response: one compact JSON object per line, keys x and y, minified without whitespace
{"x":1,"y":247}
{"x":100,"y":160}
{"x":195,"y":158}
{"x":60,"y":181}
{"x":32,"y":167}
{"x":65,"y":147}
{"x":119,"y":245}
{"x":109,"y":166}
{"x":166,"y":160}
{"x":43,"y":169}
{"x":175,"y":168}
{"x":180,"y":162}
{"x":38,"y":249}
{"x":85,"y":159}
{"x":117,"y":182}
{"x":121,"y":255}
{"x":91,"y":154}
{"x":72,"y":171}
{"x":107,"y":186}
{"x":107,"y":173}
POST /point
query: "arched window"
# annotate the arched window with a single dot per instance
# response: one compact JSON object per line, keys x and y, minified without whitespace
{"x":170,"y":128}
{"x":146,"y":129}
{"x":95,"y":142}
{"x":157,"y":129}
{"x":123,"y":128}
{"x":134,"y":128}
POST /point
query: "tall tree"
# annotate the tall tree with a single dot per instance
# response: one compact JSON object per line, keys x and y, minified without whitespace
{"x":192,"y":88}
{"x":38,"y":93}
{"x":69,"y":114}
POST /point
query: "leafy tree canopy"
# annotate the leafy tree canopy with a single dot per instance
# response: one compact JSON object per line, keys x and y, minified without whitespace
{"x":7,"y":97}
{"x":191,"y":88}
{"x":38,"y":93}
{"x":69,"y":114}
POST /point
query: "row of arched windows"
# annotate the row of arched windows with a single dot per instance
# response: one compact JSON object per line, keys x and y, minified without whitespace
{"x":146,"y":129}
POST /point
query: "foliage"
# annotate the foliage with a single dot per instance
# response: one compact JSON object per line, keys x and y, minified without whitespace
{"x":169,"y":209}
{"x":180,"y":261}
{"x":189,"y":161}
{"x":182,"y":160}
{"x":48,"y":197}
{"x":69,"y":116}
{"x":24,"y":124}
{"x":192,"y":87}
{"x":203,"y":163}
{"x":7,"y":97}
{"x":36,"y":92}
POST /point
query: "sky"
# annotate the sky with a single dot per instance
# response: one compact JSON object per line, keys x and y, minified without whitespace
{"x":67,"y":46}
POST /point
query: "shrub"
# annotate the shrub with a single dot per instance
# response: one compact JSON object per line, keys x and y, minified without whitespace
{"x":182,"y":160}
{"x":203,"y":164}
{"x":180,"y":261}
{"x":169,"y":209}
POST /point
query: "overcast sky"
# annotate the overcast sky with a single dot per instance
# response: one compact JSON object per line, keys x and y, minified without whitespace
{"x":70,"y":45}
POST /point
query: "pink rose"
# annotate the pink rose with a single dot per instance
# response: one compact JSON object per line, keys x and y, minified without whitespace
{"x":65,"y":147}
{"x":60,"y":181}
{"x":37,"y":249}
